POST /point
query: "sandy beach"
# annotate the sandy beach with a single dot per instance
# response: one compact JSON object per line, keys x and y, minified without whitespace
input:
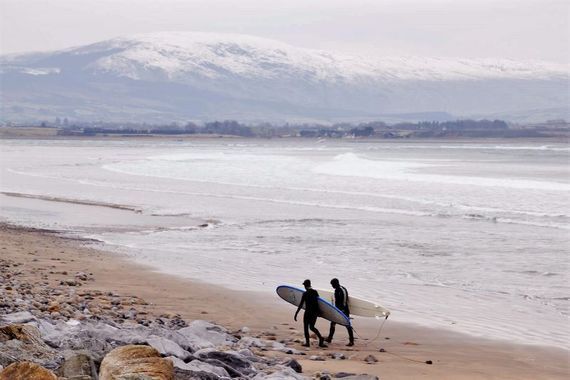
{"x":406,"y":347}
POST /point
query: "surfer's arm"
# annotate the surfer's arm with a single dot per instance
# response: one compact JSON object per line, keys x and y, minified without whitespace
{"x":300,"y":306}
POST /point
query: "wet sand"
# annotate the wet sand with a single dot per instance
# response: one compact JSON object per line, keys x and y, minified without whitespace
{"x":408,"y":347}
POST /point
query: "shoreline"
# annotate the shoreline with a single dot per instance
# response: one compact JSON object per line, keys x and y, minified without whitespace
{"x":48,"y":134}
{"x":406,"y":346}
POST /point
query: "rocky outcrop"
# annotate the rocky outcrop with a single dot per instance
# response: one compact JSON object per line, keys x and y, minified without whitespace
{"x":136,"y":360}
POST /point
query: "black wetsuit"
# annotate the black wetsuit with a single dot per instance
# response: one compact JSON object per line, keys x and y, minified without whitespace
{"x":341,"y":302}
{"x":311,"y":300}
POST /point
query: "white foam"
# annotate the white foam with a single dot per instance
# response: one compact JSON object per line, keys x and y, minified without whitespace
{"x":352,"y":165}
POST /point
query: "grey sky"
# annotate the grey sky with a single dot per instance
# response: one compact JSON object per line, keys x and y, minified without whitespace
{"x":518,"y":29}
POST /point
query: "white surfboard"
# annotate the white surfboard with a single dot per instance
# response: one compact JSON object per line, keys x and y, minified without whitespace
{"x":358,"y":306}
{"x":328,"y":310}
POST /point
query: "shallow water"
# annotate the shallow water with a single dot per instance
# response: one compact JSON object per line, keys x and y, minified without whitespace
{"x":468,"y":236}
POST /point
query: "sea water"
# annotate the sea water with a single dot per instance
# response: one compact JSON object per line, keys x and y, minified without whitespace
{"x":470,"y":236}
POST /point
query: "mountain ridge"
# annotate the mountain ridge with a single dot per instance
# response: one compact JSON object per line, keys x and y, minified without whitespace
{"x":205,"y":76}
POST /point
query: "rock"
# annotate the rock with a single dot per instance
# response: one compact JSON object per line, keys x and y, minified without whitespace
{"x":79,"y":367}
{"x":21,"y":317}
{"x":317,"y":358}
{"x":135,"y":360}
{"x":248,"y":341}
{"x":232,"y":358}
{"x":54,"y":307}
{"x":183,"y":374}
{"x":167,"y":347}
{"x":337,"y":356}
{"x":280,"y":374}
{"x":26,"y":371}
{"x":81,"y":276}
{"x":294,"y":364}
{"x":370,"y":359}
{"x":341,"y":375}
{"x":199,"y":369}
{"x":208,"y":334}
{"x":23,"y":343}
{"x":360,"y":377}
{"x":69,"y":282}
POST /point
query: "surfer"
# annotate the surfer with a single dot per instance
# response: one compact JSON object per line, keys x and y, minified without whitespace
{"x":341,"y":302}
{"x":311,"y":301}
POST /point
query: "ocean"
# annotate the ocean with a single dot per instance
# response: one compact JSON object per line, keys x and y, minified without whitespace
{"x":470,"y":236}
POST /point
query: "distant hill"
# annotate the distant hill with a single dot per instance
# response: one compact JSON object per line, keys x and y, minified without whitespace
{"x":180,"y":76}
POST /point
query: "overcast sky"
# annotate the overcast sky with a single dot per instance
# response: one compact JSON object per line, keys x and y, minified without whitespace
{"x":518,"y":29}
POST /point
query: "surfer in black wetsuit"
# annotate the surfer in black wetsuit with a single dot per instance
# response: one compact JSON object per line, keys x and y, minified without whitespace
{"x":341,"y":302}
{"x":311,"y":301}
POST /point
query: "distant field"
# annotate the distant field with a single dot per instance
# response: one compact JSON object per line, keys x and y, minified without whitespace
{"x":16,"y":132}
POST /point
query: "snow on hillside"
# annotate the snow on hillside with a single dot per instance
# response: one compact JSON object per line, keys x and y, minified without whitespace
{"x":181,"y":75}
{"x":177,"y":54}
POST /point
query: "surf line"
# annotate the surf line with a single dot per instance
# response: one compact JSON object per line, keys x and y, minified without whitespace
{"x":82,"y":202}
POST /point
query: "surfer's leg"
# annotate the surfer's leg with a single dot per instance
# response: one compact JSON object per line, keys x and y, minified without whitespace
{"x":317,"y":332}
{"x":306,"y":329}
{"x":350,"y":336}
{"x":331,"y":332}
{"x":350,"y":331}
{"x":306,"y":325}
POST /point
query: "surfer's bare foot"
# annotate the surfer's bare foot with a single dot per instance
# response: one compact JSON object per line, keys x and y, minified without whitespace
{"x":306,"y":345}
{"x":322,"y":343}
{"x":328,"y":340}
{"x":350,"y":344}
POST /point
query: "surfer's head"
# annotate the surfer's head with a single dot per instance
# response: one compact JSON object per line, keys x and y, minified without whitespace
{"x":307,"y":283}
{"x":334,"y":282}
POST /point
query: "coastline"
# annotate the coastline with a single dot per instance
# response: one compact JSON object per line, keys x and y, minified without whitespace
{"x":454,"y":356}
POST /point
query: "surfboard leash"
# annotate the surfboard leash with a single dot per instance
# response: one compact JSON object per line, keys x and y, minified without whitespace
{"x":377,"y":335}
{"x":389,"y":352}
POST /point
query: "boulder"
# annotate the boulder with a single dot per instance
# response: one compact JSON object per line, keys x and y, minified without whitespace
{"x":188,"y":342}
{"x":79,"y":367}
{"x":200,"y":369}
{"x":135,"y":360}
{"x":26,"y":371}
{"x":360,"y":377}
{"x":207,"y":334}
{"x":167,"y":347}
{"x":182,"y":374}
{"x":294,"y":364}
{"x":280,"y":374}
{"x":20,"y":317}
{"x":230,"y":358}
{"x":23,"y":343}
{"x":76,"y":337}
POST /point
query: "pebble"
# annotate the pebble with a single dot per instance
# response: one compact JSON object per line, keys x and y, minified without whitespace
{"x":338,"y":356}
{"x":370,"y":359}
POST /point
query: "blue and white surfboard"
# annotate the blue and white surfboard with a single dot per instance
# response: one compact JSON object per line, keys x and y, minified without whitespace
{"x":327,"y":310}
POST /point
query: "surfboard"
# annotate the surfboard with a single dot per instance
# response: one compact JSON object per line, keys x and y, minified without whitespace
{"x":358,"y":306}
{"x":328,"y":310}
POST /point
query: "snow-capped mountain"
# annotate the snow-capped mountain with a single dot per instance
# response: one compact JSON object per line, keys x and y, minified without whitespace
{"x":171,"y":76}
